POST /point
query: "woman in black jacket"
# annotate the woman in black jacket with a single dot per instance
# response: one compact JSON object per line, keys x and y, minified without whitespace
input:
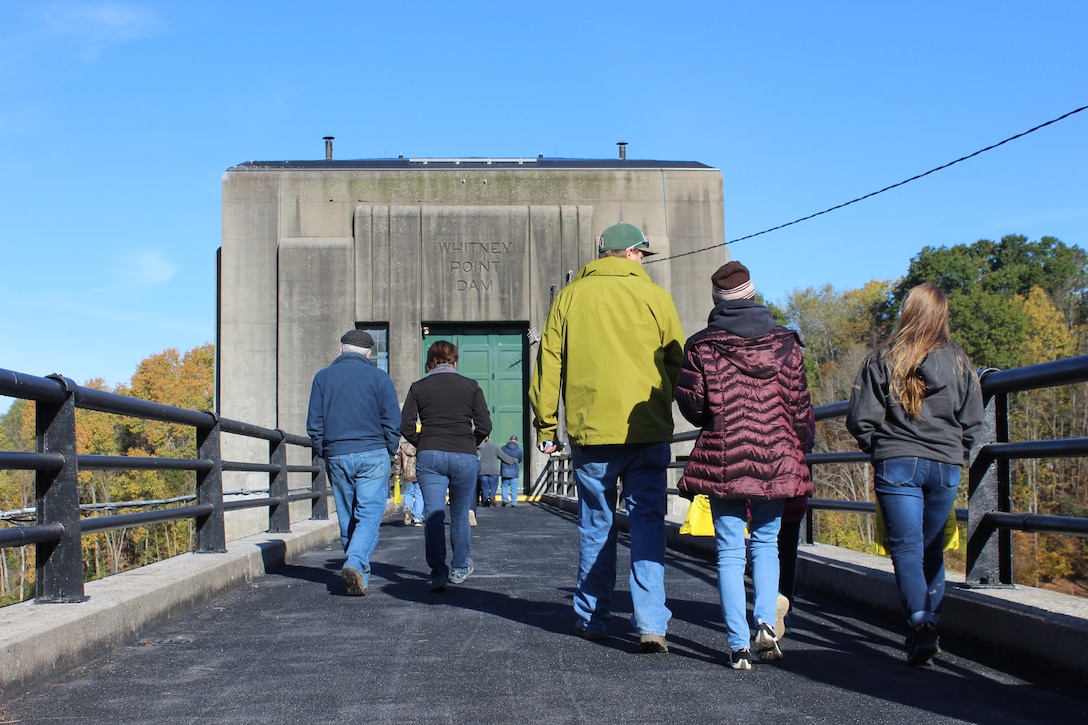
{"x":453,"y":420}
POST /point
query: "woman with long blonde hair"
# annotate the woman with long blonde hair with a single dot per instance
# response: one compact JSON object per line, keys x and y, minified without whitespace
{"x":916,"y":409}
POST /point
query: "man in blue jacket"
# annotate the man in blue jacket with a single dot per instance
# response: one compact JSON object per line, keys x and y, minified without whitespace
{"x":354,"y":424}
{"x":509,"y":471}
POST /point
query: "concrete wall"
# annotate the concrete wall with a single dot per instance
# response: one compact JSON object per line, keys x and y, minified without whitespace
{"x":309,"y":252}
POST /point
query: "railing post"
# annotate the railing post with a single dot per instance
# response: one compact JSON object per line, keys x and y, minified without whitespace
{"x":211,"y":534}
{"x":279,"y":513}
{"x":989,"y":551}
{"x":60,"y":563}
{"x":319,"y":483}
{"x":540,"y":485}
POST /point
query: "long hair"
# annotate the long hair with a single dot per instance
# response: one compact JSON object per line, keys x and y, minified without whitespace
{"x":922,"y":327}
{"x":442,"y":352}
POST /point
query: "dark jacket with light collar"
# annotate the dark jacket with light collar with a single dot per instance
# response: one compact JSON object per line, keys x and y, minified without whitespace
{"x":743,"y":382}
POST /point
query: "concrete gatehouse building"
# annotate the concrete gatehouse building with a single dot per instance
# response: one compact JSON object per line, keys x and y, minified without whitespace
{"x":471,"y":250}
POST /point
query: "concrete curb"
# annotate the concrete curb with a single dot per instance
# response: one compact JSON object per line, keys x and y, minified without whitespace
{"x":39,"y":640}
{"x":1014,"y":623}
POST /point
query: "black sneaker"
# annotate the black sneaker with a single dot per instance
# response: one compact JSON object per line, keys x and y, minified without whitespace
{"x":593,"y":635}
{"x":767,"y":644}
{"x":922,"y":645}
{"x":741,"y":659}
{"x":438,"y":584}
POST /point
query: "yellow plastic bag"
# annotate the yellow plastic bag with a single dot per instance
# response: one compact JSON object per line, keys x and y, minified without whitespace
{"x":699,"y":521}
{"x":397,"y":498}
{"x":951,"y":532}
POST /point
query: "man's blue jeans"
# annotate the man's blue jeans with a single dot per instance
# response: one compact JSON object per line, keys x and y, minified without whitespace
{"x":437,"y":473}
{"x":916,"y":495}
{"x":413,"y":499}
{"x":597,"y":470}
{"x":510,"y":491}
{"x":730,"y":518}
{"x":360,"y":487}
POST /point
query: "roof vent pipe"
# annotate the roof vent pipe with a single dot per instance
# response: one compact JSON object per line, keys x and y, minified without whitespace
{"x":328,"y":146}
{"x":623,"y":150}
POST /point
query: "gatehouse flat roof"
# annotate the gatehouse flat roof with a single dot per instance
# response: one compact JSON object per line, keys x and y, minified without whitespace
{"x":424,"y":164}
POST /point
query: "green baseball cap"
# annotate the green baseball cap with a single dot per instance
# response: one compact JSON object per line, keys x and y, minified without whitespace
{"x":624,"y":236}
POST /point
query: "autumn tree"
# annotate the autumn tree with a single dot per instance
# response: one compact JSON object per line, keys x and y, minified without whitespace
{"x":988,"y":285}
{"x":17,"y":494}
{"x":185,"y":381}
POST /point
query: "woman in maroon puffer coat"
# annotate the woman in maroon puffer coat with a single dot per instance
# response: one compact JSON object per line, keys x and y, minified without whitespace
{"x":743,"y":382}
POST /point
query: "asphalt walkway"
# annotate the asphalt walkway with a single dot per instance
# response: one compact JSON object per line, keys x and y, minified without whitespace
{"x":291,"y":647}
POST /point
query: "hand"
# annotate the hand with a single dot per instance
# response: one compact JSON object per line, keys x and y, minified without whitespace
{"x":549,"y":447}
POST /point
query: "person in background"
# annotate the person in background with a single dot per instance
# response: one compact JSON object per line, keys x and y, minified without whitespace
{"x":413,"y":497}
{"x":916,"y":408}
{"x":445,"y":417}
{"x":743,"y":382}
{"x":789,"y":536}
{"x":352,"y":424}
{"x":491,"y":460}
{"x":509,"y":471}
{"x":611,"y":351}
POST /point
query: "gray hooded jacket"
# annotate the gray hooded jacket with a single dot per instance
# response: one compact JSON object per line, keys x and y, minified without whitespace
{"x":951,"y":418}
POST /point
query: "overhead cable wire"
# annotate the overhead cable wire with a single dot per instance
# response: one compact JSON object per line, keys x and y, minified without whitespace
{"x":874,"y":193}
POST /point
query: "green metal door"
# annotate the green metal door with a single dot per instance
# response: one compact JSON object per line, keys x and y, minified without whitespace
{"x":493,"y":356}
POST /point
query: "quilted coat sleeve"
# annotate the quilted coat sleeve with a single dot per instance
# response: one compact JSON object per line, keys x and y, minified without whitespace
{"x":804,"y":418}
{"x":690,"y":391}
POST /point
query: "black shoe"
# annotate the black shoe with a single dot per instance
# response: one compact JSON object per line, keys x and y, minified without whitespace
{"x":767,"y":644}
{"x":487,"y":502}
{"x":593,"y":635}
{"x":922,"y":645}
{"x":741,"y":660}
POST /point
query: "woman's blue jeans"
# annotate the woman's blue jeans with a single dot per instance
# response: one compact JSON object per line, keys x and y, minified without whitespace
{"x":916,"y":495}
{"x":596,"y":471}
{"x":730,"y":518}
{"x":439,"y":472}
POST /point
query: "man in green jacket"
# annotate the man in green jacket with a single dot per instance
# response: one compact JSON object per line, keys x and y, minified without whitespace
{"x":611,"y":349}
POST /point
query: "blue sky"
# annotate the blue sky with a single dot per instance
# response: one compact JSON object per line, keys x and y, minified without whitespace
{"x":118,"y":119}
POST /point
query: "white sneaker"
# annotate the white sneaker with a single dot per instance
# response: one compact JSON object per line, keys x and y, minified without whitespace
{"x":471,"y":517}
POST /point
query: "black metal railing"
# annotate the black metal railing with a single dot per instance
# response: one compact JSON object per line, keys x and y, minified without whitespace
{"x":989,"y":515}
{"x":59,"y":526}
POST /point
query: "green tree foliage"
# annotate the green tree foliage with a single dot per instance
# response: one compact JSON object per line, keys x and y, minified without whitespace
{"x":989,"y":284}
